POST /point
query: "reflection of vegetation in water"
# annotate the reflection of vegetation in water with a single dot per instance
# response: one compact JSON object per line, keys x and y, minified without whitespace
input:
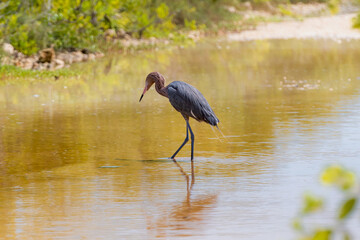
{"x":243,"y":66}
{"x":345,"y":181}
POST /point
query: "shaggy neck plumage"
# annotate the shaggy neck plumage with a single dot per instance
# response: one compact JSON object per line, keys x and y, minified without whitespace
{"x":160,"y":87}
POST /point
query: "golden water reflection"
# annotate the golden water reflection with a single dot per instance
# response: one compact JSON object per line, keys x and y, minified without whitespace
{"x":82,"y":158}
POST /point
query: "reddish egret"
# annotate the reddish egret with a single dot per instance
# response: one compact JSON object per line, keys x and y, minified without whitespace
{"x":187,"y":100}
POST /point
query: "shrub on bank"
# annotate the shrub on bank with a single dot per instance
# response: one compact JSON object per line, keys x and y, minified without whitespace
{"x":32,"y":25}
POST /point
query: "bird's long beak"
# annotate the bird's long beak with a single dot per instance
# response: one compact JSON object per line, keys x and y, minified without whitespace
{"x":142,"y":95}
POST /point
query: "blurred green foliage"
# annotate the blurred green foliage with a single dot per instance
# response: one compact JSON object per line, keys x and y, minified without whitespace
{"x":312,"y":203}
{"x":356,"y":21}
{"x":345,"y":181}
{"x":30,"y":25}
{"x":339,"y":177}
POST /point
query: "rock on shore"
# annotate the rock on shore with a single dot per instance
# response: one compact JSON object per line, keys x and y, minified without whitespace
{"x":46,"y":59}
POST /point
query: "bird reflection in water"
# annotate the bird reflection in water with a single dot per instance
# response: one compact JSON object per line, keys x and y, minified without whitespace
{"x":184,"y":218}
{"x":188,"y":184}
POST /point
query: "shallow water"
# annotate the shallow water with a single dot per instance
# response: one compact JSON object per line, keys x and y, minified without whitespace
{"x":83,"y":159}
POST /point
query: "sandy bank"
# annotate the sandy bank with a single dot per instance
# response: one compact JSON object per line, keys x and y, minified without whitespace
{"x":328,"y":27}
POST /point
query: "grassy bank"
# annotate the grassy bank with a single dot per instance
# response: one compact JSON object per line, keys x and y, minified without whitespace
{"x":12,"y":73}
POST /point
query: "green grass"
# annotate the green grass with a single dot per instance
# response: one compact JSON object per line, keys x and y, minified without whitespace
{"x":8,"y":72}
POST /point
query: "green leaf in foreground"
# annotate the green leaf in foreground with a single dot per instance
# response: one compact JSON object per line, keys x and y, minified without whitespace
{"x":347,"y":208}
{"x":297,"y":225}
{"x":324,"y":234}
{"x":346,"y":236}
{"x":338,"y":176}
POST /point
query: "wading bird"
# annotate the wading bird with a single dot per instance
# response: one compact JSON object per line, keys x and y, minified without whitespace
{"x":187,"y":100}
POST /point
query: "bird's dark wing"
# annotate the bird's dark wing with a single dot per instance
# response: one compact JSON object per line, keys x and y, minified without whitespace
{"x":190,"y":102}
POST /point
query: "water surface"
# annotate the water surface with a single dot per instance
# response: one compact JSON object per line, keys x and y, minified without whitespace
{"x":81,"y":158}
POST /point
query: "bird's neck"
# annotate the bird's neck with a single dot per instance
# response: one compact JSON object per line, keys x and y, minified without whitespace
{"x":161,"y":89}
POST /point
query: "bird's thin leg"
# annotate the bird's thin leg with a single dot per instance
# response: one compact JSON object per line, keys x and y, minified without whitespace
{"x":185,"y":141}
{"x":192,"y":141}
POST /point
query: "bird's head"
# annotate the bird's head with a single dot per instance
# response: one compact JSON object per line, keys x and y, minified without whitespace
{"x":150,"y":80}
